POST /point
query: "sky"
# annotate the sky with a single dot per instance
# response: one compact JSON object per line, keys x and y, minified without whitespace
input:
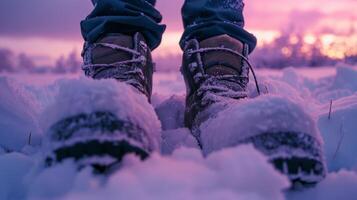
{"x":46,"y":30}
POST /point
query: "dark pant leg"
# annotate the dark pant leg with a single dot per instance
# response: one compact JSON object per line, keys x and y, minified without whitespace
{"x":152,"y":2}
{"x":206,"y":18}
{"x":124,"y":16}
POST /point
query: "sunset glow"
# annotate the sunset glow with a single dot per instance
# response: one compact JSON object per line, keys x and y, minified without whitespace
{"x":52,"y":34}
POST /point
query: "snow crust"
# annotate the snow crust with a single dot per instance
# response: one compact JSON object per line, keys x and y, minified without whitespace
{"x":181,"y":171}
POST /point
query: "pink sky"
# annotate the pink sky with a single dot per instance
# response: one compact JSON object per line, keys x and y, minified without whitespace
{"x":47,"y":29}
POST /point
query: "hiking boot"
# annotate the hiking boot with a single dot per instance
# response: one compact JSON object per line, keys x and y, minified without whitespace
{"x":216,"y":72}
{"x":122,"y":57}
{"x":102,"y":132}
{"x":97,"y":123}
{"x":215,"y":69}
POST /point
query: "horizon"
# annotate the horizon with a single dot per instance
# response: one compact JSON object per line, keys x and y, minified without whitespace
{"x":45,"y":31}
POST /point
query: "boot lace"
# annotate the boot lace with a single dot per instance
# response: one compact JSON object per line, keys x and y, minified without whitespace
{"x":126,"y":70}
{"x":231,"y":86}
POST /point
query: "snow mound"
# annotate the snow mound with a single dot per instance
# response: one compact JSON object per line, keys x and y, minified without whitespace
{"x":177,"y":138}
{"x":343,"y":84}
{"x":251,"y":117}
{"x":84,"y":95}
{"x":341,"y":185}
{"x":238,"y":173}
{"x":182,"y":172}
{"x":18,"y":116}
{"x":339,"y":132}
{"x":346,"y":78}
{"x":171,"y":112}
{"x":13,"y":168}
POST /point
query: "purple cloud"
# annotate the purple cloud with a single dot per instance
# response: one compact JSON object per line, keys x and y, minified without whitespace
{"x":39,"y":18}
{"x":60,"y":18}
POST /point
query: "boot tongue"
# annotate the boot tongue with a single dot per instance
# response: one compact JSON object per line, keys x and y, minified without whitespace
{"x":106,"y":55}
{"x":219,"y":63}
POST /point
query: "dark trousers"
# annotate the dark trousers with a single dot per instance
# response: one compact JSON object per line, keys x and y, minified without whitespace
{"x":201,"y":18}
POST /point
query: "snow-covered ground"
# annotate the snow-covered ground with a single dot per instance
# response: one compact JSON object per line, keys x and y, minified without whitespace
{"x":181,"y":171}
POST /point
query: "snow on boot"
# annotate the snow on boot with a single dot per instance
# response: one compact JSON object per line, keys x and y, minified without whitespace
{"x":121,"y":57}
{"x":97,"y":122}
{"x":216,"y":71}
{"x":108,"y":120}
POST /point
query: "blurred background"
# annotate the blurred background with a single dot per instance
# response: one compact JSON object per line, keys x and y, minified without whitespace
{"x":38,"y":36}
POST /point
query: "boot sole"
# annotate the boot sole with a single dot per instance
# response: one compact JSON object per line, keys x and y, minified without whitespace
{"x":97,"y":139}
{"x":296,"y":155}
{"x":102,"y":156}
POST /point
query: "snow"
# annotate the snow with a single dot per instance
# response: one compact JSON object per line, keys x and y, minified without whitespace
{"x":340,"y":185}
{"x":18,"y":114}
{"x":85,"y":95}
{"x":170,"y":112}
{"x":271,"y":113}
{"x":340,"y":133}
{"x":13,"y":168}
{"x":181,"y":171}
{"x":177,"y":138}
{"x":184,"y":175}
